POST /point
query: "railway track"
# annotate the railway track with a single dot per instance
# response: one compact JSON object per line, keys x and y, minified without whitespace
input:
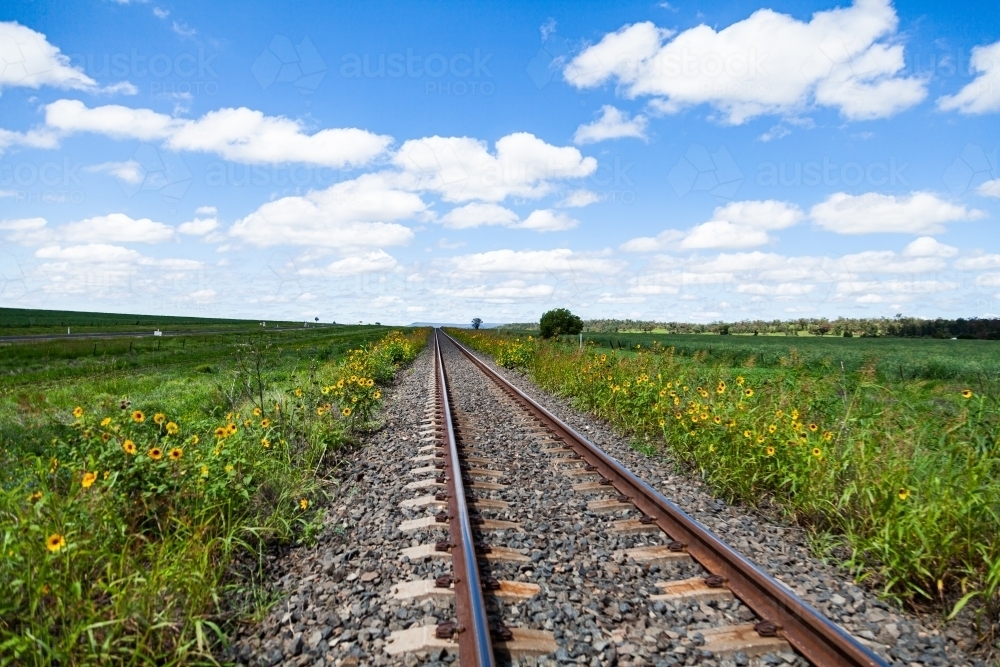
{"x":636,"y":535}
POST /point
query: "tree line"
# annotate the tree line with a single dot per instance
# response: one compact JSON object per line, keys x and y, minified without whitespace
{"x":898,"y":327}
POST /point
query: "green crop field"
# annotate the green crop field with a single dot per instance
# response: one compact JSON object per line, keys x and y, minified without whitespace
{"x":136,"y":474}
{"x":25,"y":322}
{"x":886,"y":449}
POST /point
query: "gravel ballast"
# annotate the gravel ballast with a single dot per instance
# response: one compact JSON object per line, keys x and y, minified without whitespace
{"x":335,"y":599}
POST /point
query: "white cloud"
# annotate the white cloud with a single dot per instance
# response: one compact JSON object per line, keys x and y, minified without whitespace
{"x":360,"y":213}
{"x":665,"y":240}
{"x":102,"y":253}
{"x":989,"y":188}
{"x":463,"y":169}
{"x":478,"y":214}
{"x":723,"y":234}
{"x":613,"y":124}
{"x":206,"y":210}
{"x":39,"y":138}
{"x":372,"y":262}
{"x":116,"y":228}
{"x":781,"y":289}
{"x":982,"y":95}
{"x":768,"y":63}
{"x":22,"y":224}
{"x":160,"y":13}
{"x":129,"y":171}
{"x":547,"y":220}
{"x":198,"y":226}
{"x":241,"y":135}
{"x":200,"y":297}
{"x":503,"y":292}
{"x":557,"y":262}
{"x":896,"y":287}
{"x":978,"y":263}
{"x":579,"y":199}
{"x":916,"y":213}
{"x":988,"y":280}
{"x":926,"y":246}
{"x":768,"y":214}
{"x":101,"y":229}
{"x":740,"y":224}
{"x":27,"y":59}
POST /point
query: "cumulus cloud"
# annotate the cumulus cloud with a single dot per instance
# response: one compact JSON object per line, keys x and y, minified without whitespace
{"x":989,"y":188}
{"x":503,"y":292}
{"x":241,"y":135}
{"x":927,"y":246}
{"x":613,"y":124}
{"x":741,"y":224}
{"x":371,"y":262}
{"x":116,"y":228}
{"x":982,"y":95}
{"x":38,"y":138}
{"x":916,"y":213}
{"x":129,"y":171}
{"x":106,"y":271}
{"x":781,"y":289}
{"x":463,"y":169}
{"x":723,"y":234}
{"x":546,"y":220}
{"x":27,"y":59}
{"x":978,"y":263}
{"x":768,"y":63}
{"x":101,"y":229}
{"x":579,"y":199}
{"x":478,"y":214}
{"x":360,"y":213}
{"x":198,"y":226}
{"x":561,"y":261}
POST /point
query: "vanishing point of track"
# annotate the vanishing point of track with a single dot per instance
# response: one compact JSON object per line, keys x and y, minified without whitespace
{"x":782,"y":618}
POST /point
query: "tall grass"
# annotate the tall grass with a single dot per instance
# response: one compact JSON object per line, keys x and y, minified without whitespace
{"x":906,"y":474}
{"x":120,"y":530}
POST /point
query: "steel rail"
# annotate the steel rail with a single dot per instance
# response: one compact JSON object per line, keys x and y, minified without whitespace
{"x":815,"y":637}
{"x":475,"y":647}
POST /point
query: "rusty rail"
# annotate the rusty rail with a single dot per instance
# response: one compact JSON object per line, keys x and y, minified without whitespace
{"x":815,"y":637}
{"x":475,"y":647}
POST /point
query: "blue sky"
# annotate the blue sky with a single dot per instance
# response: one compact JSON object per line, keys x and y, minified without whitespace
{"x":387,"y":162}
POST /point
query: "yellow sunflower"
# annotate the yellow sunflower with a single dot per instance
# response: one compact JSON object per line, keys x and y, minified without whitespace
{"x":155,"y":453}
{"x":176,"y":453}
{"x":88,"y":479}
{"x":55,"y":542}
{"x":78,"y":412}
{"x":129,"y":447}
{"x":138,"y":417}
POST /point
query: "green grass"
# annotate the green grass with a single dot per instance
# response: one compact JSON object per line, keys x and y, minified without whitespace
{"x":143,"y":542}
{"x":24,"y":322}
{"x":973,"y":362}
{"x":888,"y":449}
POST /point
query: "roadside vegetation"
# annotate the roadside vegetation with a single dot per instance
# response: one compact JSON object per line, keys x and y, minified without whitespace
{"x":132,"y":484}
{"x":892,"y":463}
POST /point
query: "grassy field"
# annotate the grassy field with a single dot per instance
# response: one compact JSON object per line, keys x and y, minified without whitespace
{"x":888,"y":450}
{"x":974,"y":362}
{"x":134,"y":474}
{"x":25,"y":322}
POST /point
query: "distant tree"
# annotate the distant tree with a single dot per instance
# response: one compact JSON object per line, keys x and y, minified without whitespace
{"x":317,"y":319}
{"x":476,"y":322}
{"x":558,"y":322}
{"x":724,"y":330}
